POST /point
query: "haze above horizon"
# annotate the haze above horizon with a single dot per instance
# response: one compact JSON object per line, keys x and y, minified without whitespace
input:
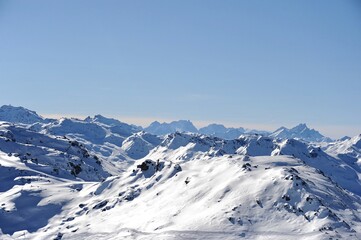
{"x":239,"y":63}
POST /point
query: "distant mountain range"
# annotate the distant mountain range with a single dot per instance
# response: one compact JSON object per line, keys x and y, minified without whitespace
{"x":216,"y":130}
{"x":158,"y":128}
{"x":301,"y":131}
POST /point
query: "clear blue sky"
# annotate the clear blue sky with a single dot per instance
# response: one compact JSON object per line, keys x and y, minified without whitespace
{"x":241,"y":63}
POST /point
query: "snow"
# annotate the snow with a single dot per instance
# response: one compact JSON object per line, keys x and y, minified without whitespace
{"x":13,"y":114}
{"x":218,"y":130}
{"x":219,"y":199}
{"x":138,"y":145}
{"x":99,"y":178}
{"x":300,"y":131}
{"x":167,"y":128}
{"x":114,"y":125}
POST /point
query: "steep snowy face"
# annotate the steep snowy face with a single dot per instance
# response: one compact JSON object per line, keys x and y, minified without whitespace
{"x":300,"y":131}
{"x":167,"y":128}
{"x":19,"y":115}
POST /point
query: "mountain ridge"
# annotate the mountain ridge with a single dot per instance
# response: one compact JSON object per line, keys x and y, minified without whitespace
{"x":300,"y":131}
{"x":9,"y":113}
{"x":99,"y":177}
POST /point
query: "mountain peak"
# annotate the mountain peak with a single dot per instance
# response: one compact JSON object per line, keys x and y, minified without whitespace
{"x":174,"y":126}
{"x":301,"y":131}
{"x":10,"y":113}
{"x":301,"y":126}
{"x":105,"y":120}
{"x":155,"y":123}
{"x":219,"y":130}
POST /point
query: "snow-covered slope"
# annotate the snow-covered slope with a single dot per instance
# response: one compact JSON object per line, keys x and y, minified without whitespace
{"x":175,"y":126}
{"x":100,"y":178}
{"x":225,"y":197}
{"x":300,"y":131}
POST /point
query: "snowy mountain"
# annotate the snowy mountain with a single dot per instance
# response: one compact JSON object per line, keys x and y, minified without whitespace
{"x":13,"y":114}
{"x":218,"y":130}
{"x":50,"y":155}
{"x":191,"y":186}
{"x":158,"y":128}
{"x":104,"y":179}
{"x":300,"y":131}
{"x":114,"y":125}
{"x":347,"y":151}
{"x":139,"y":144}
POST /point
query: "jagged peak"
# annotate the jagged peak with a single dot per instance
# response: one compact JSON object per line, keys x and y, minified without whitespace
{"x":300,"y":127}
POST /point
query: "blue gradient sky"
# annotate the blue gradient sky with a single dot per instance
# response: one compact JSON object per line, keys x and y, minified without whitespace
{"x":241,"y":63}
